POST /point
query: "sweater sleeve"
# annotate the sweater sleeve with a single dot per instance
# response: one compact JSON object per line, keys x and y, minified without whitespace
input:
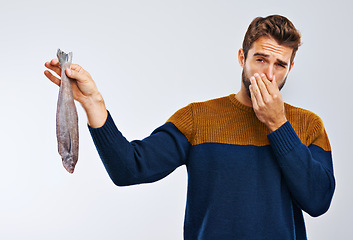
{"x":140,"y":161}
{"x":307,"y":170}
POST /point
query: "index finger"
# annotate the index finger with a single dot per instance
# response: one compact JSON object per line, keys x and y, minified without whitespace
{"x":262,"y":84}
{"x":54,"y":65}
{"x":271,"y":86}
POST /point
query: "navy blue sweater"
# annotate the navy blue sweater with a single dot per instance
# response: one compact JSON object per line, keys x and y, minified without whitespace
{"x":243,"y":182}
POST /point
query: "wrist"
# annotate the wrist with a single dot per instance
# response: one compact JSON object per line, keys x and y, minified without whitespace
{"x":92,"y":101}
{"x":95,"y":109}
{"x":275,"y":125}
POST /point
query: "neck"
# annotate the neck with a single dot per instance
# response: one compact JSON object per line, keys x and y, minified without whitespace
{"x":243,"y":97}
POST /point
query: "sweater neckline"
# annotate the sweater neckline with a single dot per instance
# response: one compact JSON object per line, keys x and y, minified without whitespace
{"x":238,"y":104}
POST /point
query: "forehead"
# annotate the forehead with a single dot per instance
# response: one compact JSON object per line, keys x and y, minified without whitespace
{"x":269,"y":46}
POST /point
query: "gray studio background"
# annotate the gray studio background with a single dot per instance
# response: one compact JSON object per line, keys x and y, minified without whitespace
{"x":149,"y":58}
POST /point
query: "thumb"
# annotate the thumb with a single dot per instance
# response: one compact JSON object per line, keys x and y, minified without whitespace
{"x":75,"y":72}
{"x":68,"y":72}
{"x":274,"y":82}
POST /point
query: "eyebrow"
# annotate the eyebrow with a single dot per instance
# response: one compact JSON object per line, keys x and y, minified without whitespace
{"x":266,"y":56}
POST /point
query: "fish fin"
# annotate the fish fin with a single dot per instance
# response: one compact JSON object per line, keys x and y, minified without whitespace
{"x":64,"y":57}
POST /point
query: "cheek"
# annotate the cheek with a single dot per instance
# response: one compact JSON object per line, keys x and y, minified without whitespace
{"x":252,"y":68}
{"x":281,"y":78}
{"x":255,"y":67}
{"x":281,"y":75}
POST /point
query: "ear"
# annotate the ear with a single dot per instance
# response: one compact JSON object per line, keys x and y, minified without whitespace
{"x":241,"y":57}
{"x":291,"y":66}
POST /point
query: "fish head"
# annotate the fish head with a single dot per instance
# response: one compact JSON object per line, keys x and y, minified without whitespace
{"x":69,"y":164}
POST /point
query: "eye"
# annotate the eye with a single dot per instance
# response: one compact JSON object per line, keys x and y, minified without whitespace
{"x":281,"y":65}
{"x":259,"y":60}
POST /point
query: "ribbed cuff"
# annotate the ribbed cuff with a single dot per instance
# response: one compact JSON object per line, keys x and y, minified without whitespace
{"x":284,"y":139}
{"x":105,"y":134}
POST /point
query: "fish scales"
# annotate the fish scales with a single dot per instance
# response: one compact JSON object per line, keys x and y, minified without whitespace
{"x":66,"y":117}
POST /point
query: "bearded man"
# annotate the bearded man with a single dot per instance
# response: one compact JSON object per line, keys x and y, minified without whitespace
{"x":254,"y":162}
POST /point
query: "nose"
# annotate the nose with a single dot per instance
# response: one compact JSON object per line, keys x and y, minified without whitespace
{"x":270,"y":73}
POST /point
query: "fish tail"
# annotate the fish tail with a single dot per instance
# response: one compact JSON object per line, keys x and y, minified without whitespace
{"x":64,"y":57}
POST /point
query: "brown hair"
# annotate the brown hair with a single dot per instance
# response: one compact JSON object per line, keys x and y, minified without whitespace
{"x":275,"y":26}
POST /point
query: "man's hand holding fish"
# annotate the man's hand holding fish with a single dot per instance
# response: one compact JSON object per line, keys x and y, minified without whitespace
{"x":84,"y":91}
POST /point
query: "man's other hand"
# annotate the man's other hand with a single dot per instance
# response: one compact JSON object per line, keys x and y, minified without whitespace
{"x":267,"y":101}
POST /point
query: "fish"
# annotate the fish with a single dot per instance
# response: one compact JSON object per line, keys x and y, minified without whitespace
{"x":66,"y":117}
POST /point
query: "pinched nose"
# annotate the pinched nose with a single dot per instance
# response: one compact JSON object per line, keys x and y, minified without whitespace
{"x":270,"y":77}
{"x":269,"y":72}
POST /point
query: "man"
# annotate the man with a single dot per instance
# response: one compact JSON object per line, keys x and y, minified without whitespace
{"x":254,"y":163}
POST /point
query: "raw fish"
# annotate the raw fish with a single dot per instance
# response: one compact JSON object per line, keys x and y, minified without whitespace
{"x":66,"y":117}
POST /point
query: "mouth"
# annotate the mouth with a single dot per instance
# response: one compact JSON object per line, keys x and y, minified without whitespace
{"x":68,"y":165}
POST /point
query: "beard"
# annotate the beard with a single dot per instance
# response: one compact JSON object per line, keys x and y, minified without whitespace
{"x":246,"y":81}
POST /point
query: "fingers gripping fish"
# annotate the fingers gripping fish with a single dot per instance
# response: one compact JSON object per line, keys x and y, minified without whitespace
{"x":66,"y":117}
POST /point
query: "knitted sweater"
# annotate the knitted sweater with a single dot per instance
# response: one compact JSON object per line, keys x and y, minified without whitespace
{"x":243,"y":182}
